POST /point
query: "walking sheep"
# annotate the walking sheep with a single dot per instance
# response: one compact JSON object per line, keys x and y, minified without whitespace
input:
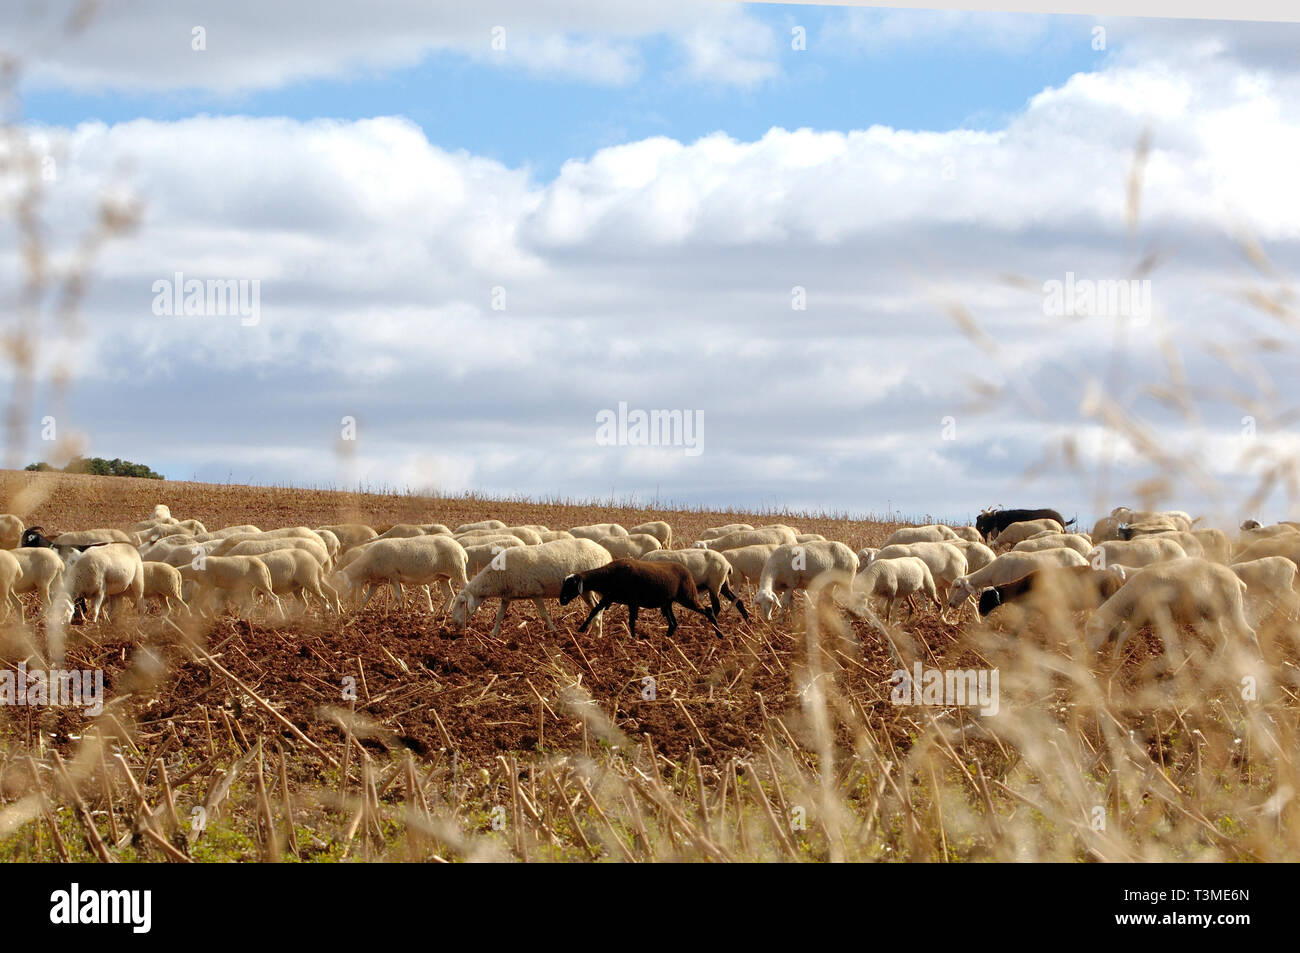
{"x":638,"y":585}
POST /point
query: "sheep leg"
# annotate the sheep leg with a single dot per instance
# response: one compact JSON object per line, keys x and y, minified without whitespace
{"x":371,"y":589}
{"x":729,"y":593}
{"x":713,"y":601}
{"x":22,"y":613}
{"x":428,"y":599}
{"x":401,"y":597}
{"x":631,"y":620}
{"x":667,"y":610}
{"x":600,"y":607}
{"x":501,"y":614}
{"x":708,"y":613}
{"x":97,"y":605}
{"x":546,"y":616}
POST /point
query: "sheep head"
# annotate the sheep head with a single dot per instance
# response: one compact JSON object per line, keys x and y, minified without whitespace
{"x":767,"y":601}
{"x":570,"y":589}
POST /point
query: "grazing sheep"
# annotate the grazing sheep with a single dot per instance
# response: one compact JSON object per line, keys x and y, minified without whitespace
{"x":1287,"y":546}
{"x":90,"y":537}
{"x":296,"y":573}
{"x":481,"y":524}
{"x":865,"y":555}
{"x":350,"y":534}
{"x":946,"y":560}
{"x":1053,"y":590}
{"x":638,"y":585}
{"x":1270,"y":580}
{"x":747,"y":562}
{"x":1009,"y":567}
{"x":243,"y":529}
{"x":551,"y":535}
{"x":96,"y":574}
{"x":1018,"y":532}
{"x":1135,"y":553}
{"x":1184,"y":591}
{"x":1250,"y":537}
{"x":658,"y":529}
{"x":710,"y":570}
{"x":748,"y":537}
{"x":404,"y":531}
{"x":11,"y":574}
{"x":977,"y":554}
{"x":42,"y":569}
{"x":11,"y":531}
{"x":1216,"y":545}
{"x":164,"y":583}
{"x":333,"y":546}
{"x":809,"y":538}
{"x":416,"y":562}
{"x":597,"y":531}
{"x":968,"y":533}
{"x":258,"y":547}
{"x":995,"y":520}
{"x":1080,"y":543}
{"x":481,"y":554}
{"x":933,"y":533}
{"x":633,"y":546}
{"x":826,"y":566}
{"x":1105,"y":529}
{"x":899,"y":578}
{"x":713,"y":532}
{"x":528,"y":536}
{"x":530,"y":572}
{"x":226,"y":577}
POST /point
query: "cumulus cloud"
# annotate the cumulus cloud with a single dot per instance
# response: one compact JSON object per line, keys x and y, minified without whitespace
{"x":475,"y":320}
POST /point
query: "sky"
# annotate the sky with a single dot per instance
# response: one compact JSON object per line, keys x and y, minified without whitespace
{"x":825,"y":235}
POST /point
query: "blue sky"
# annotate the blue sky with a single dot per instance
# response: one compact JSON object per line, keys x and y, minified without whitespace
{"x":522,"y":118}
{"x":647,"y":186}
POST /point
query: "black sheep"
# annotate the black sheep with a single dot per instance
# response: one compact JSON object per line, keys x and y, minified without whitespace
{"x":638,"y":584}
{"x":993,"y":521}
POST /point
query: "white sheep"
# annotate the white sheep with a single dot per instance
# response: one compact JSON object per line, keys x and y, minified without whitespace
{"x":530,"y":537}
{"x":1270,"y":580}
{"x":977,"y":554}
{"x":946,"y":560}
{"x":405,"y":531}
{"x":41,"y":571}
{"x":1135,"y":553}
{"x":595,"y":531}
{"x":809,"y":538}
{"x":1183,"y":591}
{"x":824,"y":566}
{"x":658,"y":529}
{"x":350,"y":534}
{"x":11,"y":531}
{"x":968,"y":533}
{"x":1079,"y":542}
{"x":480,"y":554}
{"x":713,"y":532}
{"x":781,"y":536}
{"x":747,"y":562}
{"x":1106,"y":528}
{"x":417,"y":562}
{"x":90,"y":537}
{"x":712,"y":572}
{"x":1215,"y":544}
{"x":243,"y":529}
{"x":633,"y":546}
{"x":1023,"y":530}
{"x":164,"y":583}
{"x":1008,"y":568}
{"x":296,"y":573}
{"x":865,"y":555}
{"x":530,"y":572}
{"x":333,"y":545}
{"x":931,"y":533}
{"x":95,"y":575}
{"x":222,"y":578}
{"x":551,"y":535}
{"x":481,"y":524}
{"x":1287,"y":546}
{"x":893,"y":579}
{"x":11,"y":574}
{"x":259,"y":547}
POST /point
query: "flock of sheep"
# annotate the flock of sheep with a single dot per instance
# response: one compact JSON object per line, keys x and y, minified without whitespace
{"x":1134,"y":568}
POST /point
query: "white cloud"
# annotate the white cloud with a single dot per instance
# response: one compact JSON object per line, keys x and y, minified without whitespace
{"x":660,"y":273}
